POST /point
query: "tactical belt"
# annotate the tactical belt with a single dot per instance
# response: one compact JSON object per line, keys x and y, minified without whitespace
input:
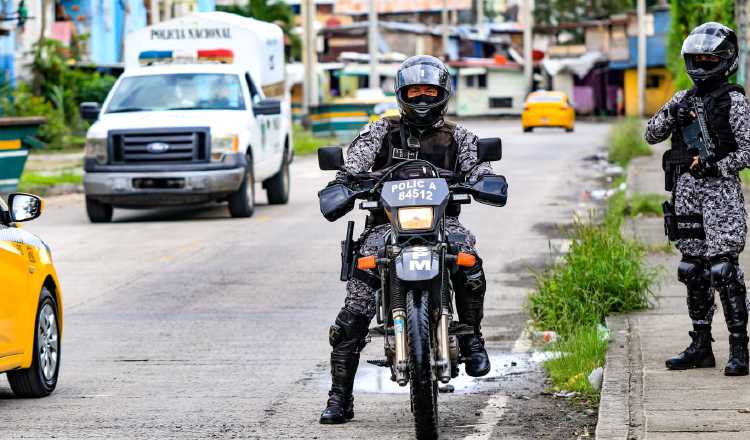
{"x":678,"y":227}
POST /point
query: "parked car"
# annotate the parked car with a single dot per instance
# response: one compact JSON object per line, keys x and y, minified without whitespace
{"x":548,"y":109}
{"x":30,"y":302}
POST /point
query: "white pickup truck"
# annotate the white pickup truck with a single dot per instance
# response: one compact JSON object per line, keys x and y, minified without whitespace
{"x":191,"y":120}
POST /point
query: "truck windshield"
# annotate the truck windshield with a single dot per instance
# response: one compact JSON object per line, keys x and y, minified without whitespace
{"x":178,"y":91}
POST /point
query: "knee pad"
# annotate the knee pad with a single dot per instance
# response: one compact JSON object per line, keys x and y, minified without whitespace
{"x":724,"y":271}
{"x":349,"y":331}
{"x":693,"y":273}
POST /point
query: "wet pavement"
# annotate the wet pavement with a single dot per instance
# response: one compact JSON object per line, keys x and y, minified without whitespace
{"x":184,"y":323}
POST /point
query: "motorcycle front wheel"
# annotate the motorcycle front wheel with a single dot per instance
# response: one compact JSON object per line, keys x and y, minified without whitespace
{"x":424,"y":390}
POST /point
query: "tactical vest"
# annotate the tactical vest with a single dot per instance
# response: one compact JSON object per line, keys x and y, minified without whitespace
{"x":717,"y":105}
{"x":436,"y":145}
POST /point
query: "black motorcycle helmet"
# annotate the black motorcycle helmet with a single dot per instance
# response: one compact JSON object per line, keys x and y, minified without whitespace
{"x":710,"y":40}
{"x":423,"y":110}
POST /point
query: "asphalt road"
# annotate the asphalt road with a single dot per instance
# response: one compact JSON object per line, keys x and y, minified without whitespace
{"x":186,"y":323}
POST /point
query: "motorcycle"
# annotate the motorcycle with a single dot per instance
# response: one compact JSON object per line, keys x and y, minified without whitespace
{"x":415,"y":302}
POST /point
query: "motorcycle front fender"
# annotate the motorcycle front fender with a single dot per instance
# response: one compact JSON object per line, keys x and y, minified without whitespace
{"x":417,"y":263}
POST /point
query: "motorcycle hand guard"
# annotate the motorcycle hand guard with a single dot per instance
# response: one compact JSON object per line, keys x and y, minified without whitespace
{"x":490,"y":190}
{"x":335,"y":201}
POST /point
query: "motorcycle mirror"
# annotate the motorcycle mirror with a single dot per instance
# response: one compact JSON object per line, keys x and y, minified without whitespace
{"x":491,"y":190}
{"x":489,"y":150}
{"x":330,"y":158}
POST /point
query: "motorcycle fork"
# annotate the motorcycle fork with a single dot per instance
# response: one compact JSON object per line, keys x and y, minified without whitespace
{"x":398,"y":312}
{"x":442,"y":358}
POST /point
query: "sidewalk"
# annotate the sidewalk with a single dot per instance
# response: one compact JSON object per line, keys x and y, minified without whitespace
{"x":640,"y":398}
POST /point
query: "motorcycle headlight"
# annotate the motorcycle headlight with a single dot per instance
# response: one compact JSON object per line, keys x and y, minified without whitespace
{"x":415,"y":218}
{"x":96,"y":148}
{"x":221,"y":145}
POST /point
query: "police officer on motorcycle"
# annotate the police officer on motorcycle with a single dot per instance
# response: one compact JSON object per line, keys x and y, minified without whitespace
{"x":423,"y":89}
{"x":708,"y":206}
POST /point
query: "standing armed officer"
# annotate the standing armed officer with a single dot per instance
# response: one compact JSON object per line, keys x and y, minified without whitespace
{"x":707,"y":213}
{"x":423,"y":88}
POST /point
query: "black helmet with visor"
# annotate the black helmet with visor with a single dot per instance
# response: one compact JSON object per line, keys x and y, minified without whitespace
{"x":710,"y":53}
{"x":423,"y":110}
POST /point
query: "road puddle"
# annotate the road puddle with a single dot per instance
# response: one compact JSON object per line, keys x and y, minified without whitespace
{"x":505,"y":366}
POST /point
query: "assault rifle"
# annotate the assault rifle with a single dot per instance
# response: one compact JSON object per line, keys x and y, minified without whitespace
{"x":696,"y":134}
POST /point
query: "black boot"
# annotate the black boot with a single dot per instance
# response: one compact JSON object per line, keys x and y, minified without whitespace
{"x":697,"y":355}
{"x":475,"y":356}
{"x":340,"y":405}
{"x":470,"y":286}
{"x":738,"y":362}
{"x":726,"y":277}
{"x":347,"y":337}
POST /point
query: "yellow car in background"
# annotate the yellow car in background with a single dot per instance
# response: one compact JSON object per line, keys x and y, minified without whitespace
{"x":548,"y":109}
{"x":30,"y":302}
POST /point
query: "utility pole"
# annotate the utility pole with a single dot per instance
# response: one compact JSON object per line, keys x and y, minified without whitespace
{"x":641,"y":57}
{"x":480,"y":12}
{"x":528,"y":51}
{"x":444,"y":18}
{"x":372,"y":44}
{"x":740,"y":17}
{"x":310,"y":87}
{"x":154,"y":10}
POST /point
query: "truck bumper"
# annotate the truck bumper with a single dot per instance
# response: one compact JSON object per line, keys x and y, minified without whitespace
{"x":146,"y":189}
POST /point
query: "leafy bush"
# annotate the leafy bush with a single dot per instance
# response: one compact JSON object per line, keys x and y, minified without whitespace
{"x":22,"y":102}
{"x":55,"y":93}
{"x":626,"y":141}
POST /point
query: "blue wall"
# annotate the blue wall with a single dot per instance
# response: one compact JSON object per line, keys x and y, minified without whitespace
{"x":7,"y":45}
{"x":106,"y":24}
{"x":656,"y":45}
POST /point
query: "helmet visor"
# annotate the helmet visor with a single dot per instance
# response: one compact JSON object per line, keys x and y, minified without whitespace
{"x":423,"y":74}
{"x":705,"y":44}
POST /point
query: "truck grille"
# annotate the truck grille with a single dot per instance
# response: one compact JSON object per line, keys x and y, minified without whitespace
{"x":152,"y":146}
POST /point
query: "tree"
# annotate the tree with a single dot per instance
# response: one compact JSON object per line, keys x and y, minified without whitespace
{"x":557,"y":12}
{"x":272,"y":11}
{"x":686,"y":15}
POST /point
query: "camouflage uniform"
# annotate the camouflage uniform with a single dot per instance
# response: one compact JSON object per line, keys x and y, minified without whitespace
{"x":718,"y":199}
{"x":360,"y":157}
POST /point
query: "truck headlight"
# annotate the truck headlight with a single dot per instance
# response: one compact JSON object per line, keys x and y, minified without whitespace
{"x":96,"y":148}
{"x":221,"y":145}
{"x":415,"y":218}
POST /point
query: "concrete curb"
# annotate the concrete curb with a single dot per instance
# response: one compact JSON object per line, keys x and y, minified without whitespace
{"x":621,"y":407}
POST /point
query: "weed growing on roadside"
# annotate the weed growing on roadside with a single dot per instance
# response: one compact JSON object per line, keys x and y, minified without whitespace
{"x":306,"y":143}
{"x":626,"y":141}
{"x":583,"y":350}
{"x":601,"y":274}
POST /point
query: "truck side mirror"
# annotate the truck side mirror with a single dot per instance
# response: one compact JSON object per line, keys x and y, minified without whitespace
{"x":489,"y":150}
{"x":267,"y":107}
{"x":330,"y":158}
{"x":90,"y":111}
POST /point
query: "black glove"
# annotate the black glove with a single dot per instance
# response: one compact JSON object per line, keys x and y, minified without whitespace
{"x":703,"y":170}
{"x":681,"y":112}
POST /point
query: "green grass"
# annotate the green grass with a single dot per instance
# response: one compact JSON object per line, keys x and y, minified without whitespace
{"x":306,"y":143}
{"x":584,"y":350}
{"x":37,"y":183}
{"x":602,"y":273}
{"x":626,"y":141}
{"x":745,"y":176}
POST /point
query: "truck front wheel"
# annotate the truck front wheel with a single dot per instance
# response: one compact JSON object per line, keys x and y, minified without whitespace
{"x":242,"y":202}
{"x":98,"y":212}
{"x":277,"y":187}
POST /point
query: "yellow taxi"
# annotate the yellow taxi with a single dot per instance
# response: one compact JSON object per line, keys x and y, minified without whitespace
{"x":30,"y":302}
{"x":548,"y":109}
